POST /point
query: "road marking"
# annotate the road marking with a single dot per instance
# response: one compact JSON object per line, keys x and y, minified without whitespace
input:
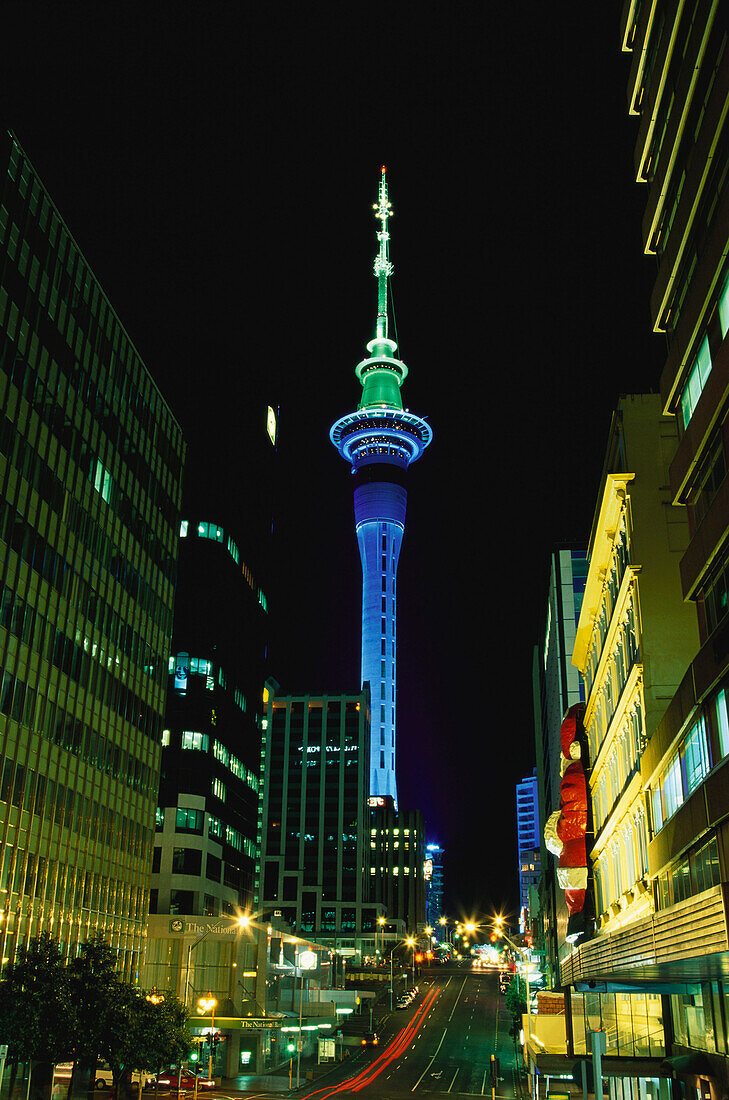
{"x":430,"y":1063}
{"x":457,"y":1000}
{"x":454,"y":1080}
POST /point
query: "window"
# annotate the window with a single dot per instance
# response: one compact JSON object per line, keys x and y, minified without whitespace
{"x":219,"y":789}
{"x":722,"y":721}
{"x":192,"y":739}
{"x":188,"y":821}
{"x":698,"y":376}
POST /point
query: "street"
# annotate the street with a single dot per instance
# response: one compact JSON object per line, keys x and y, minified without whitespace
{"x":440,"y":1046}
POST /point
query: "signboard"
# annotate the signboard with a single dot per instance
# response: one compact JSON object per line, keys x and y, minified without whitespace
{"x":239,"y":1023}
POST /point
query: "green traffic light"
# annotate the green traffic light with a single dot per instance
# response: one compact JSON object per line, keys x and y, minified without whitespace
{"x":194,"y":1056}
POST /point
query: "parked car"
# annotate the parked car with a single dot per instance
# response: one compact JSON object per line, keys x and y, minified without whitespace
{"x":168,"y":1079}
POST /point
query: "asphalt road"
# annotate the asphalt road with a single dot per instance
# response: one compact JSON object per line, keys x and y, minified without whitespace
{"x":440,"y":1046}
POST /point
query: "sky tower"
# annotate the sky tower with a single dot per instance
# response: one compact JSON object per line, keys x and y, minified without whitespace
{"x":380,"y":440}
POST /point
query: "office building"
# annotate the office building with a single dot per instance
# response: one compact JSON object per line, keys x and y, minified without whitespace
{"x":397,"y":863}
{"x":90,"y":480}
{"x":556,"y":686}
{"x":314,"y":866}
{"x":527,"y":835}
{"x":434,"y":872}
{"x":379,"y":441}
{"x":207,"y":828}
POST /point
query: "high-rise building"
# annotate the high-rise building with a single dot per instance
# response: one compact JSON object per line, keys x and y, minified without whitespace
{"x":433,"y":884}
{"x":634,"y":641}
{"x":380,"y":440}
{"x":90,"y":471}
{"x":207,"y":830}
{"x":527,"y":832}
{"x":314,"y":841}
{"x":678,"y":88}
{"x":556,"y":685}
{"x":397,"y":863}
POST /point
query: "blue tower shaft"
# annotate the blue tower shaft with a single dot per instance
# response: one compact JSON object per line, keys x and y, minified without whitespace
{"x":380,"y":441}
{"x":379,"y":509}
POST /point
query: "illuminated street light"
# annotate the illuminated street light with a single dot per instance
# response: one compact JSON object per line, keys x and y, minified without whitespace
{"x":207,"y":1004}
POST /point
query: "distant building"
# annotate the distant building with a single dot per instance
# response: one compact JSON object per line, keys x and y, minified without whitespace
{"x":433,"y":884}
{"x":556,"y":686}
{"x":527,"y":830}
{"x":315,"y":860}
{"x":90,"y":470}
{"x":397,"y":861}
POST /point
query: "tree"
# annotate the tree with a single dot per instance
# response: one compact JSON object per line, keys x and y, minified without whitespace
{"x":38,"y":1020}
{"x":143,"y":1033}
{"x":517,"y":1006}
{"x":118,"y":1023}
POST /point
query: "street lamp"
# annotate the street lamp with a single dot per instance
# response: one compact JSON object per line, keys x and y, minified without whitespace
{"x":207,"y":1004}
{"x":410,"y":941}
{"x":308,"y":960}
{"x":381,"y":922}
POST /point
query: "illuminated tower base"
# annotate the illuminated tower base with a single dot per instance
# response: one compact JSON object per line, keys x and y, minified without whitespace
{"x":380,"y":441}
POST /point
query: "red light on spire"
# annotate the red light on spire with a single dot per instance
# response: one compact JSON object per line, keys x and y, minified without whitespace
{"x":383,"y":169}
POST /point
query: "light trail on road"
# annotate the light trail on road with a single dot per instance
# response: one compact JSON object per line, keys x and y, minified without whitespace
{"x":393,"y":1050}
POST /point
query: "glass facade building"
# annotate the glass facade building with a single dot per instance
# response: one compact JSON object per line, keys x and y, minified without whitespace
{"x":314,"y":864}
{"x":90,"y":481}
{"x":207,"y":817}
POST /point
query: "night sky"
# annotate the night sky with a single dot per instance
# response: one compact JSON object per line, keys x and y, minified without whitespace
{"x":217,"y":164}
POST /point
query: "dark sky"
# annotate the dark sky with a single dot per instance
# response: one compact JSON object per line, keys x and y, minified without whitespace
{"x":217,"y":163}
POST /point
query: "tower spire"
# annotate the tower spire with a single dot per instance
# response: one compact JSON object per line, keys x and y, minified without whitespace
{"x":383,"y":267}
{"x":380,"y":441}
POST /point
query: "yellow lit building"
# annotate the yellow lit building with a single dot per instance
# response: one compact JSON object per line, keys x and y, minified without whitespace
{"x":635,"y":638}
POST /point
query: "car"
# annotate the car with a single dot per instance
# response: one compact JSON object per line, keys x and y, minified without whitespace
{"x":168,"y":1079}
{"x":370,"y":1039}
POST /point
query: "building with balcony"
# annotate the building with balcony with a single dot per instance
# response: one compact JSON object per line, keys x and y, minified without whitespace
{"x":677,"y":945}
{"x":91,"y":463}
{"x":634,"y":640}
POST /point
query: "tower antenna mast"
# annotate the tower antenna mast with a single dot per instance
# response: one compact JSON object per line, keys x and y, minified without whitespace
{"x":383,"y":267}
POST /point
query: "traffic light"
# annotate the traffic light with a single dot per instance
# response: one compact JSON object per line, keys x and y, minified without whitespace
{"x":494,"y":1071}
{"x":290,"y":1047}
{"x":193,"y":1056}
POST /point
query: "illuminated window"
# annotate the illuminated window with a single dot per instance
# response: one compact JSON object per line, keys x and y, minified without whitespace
{"x":165,"y":737}
{"x":722,"y":720}
{"x":219,"y":789}
{"x":101,"y":478}
{"x":210,"y":531}
{"x":698,"y":376}
{"x":724,"y":307}
{"x":183,"y":529}
{"x":191,"y":739}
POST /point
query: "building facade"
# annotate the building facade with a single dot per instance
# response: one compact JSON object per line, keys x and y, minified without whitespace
{"x":634,"y":641}
{"x":379,"y":441}
{"x":90,"y":482}
{"x":397,"y":861}
{"x":556,"y":686}
{"x":527,"y":837}
{"x":207,"y":816}
{"x":314,"y":863}
{"x":434,"y":874}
